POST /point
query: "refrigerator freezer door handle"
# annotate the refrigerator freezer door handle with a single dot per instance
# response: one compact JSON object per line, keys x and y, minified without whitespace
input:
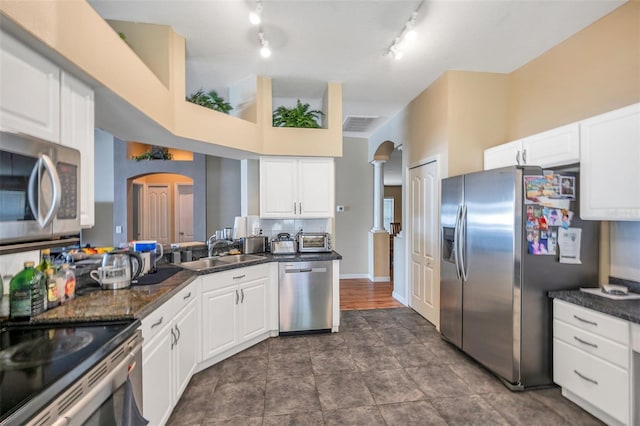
{"x":462,"y":242}
{"x":456,"y":241}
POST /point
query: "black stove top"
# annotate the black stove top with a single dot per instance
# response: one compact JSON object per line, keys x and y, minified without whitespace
{"x":39,"y":362}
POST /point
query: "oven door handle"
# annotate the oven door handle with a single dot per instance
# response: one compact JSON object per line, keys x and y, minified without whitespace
{"x":105,"y":387}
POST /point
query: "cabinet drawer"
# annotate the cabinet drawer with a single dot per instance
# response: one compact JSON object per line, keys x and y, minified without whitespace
{"x":157,"y":320}
{"x":596,"y":381}
{"x":590,"y":320}
{"x":186,"y":295}
{"x":592,"y":343}
{"x":235,"y":276}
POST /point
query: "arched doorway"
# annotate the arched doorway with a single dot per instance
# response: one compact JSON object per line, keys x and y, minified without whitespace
{"x":160,"y":208}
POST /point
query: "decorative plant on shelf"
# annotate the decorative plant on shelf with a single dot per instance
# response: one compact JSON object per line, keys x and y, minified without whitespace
{"x":154,"y":153}
{"x":298,"y":116}
{"x":210,"y":100}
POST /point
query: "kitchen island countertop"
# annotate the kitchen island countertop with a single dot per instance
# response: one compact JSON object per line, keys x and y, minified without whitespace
{"x":626,"y":309}
{"x":137,"y":302}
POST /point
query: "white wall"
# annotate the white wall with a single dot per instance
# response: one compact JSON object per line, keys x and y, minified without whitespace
{"x":354,"y":191}
{"x":625,"y":250}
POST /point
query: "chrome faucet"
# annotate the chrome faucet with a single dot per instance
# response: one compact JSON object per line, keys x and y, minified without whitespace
{"x":212,"y":243}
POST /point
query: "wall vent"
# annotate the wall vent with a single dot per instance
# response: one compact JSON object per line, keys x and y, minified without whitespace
{"x":358,"y":123}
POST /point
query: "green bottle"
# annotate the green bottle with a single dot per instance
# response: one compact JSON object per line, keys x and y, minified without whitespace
{"x":25,"y":298}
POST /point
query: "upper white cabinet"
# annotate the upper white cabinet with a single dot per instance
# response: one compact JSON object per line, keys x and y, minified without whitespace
{"x":40,"y":100}
{"x":610,"y":165}
{"x":29,"y":91}
{"x":552,"y":148}
{"x":296,"y":187}
{"x":76,"y":131}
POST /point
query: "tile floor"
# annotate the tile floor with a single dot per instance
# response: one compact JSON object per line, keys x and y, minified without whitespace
{"x":385,"y":367}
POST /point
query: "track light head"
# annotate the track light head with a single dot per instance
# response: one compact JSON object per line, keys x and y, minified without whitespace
{"x":255,"y":17}
{"x":265,"y":51}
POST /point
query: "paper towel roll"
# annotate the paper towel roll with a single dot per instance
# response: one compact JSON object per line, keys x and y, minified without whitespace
{"x":253,"y":225}
{"x":239,"y":227}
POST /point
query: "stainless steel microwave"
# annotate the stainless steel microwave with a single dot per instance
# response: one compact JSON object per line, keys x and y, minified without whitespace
{"x":39,"y":189}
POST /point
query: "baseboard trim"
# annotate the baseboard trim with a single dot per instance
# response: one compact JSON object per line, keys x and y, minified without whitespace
{"x":399,"y":298}
{"x":380,"y":279}
{"x":353,"y":276}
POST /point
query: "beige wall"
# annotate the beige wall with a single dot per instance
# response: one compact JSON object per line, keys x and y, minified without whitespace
{"x":594,"y":71}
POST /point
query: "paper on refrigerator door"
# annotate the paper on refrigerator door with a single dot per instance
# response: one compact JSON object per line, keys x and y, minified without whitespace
{"x":569,"y":245}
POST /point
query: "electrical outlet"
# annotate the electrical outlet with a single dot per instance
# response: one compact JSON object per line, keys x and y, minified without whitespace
{"x":340,"y":209}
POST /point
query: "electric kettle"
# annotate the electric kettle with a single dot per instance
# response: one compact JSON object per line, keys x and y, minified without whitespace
{"x":118,"y":269}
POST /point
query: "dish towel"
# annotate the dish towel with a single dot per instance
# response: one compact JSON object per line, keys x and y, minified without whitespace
{"x":131,"y":415}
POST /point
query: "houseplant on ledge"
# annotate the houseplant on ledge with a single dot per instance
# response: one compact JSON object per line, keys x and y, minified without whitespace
{"x":298,"y":116}
{"x":210,"y":100}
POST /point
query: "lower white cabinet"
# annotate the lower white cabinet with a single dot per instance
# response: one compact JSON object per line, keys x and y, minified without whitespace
{"x":591,"y":356}
{"x":235,"y":308}
{"x":169,"y":353}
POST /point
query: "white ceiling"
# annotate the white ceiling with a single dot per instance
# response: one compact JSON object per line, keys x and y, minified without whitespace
{"x":315,"y":41}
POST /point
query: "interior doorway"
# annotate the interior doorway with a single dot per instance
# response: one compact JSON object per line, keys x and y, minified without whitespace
{"x":161,"y":208}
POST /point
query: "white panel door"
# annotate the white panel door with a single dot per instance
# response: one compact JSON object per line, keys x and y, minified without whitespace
{"x":186,"y":347}
{"x":555,"y":147}
{"x":253,"y":309}
{"x":609,"y":165}
{"x":184,"y":213}
{"x":77,"y":131}
{"x":424,"y":289}
{"x":219,"y":320}
{"x":29,"y":91}
{"x":158,"y":213}
{"x":316,"y":187}
{"x":278,"y":187}
{"x":507,"y":154}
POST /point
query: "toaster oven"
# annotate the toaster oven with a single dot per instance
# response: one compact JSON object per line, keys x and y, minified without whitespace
{"x":318,"y":242}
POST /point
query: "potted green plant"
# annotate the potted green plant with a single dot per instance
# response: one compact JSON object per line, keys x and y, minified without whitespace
{"x":298,"y":116}
{"x":210,"y":100}
{"x":154,"y":153}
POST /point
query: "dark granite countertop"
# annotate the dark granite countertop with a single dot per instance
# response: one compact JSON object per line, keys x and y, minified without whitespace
{"x":137,"y":302}
{"x":626,"y":309}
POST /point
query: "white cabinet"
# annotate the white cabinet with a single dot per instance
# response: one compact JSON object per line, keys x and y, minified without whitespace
{"x":29,"y":91}
{"x":38,"y":99}
{"x":76,"y":131}
{"x":591,"y":361}
{"x":609,"y":165}
{"x":235,"y":308}
{"x":296,"y":187}
{"x":169,"y":353}
{"x":556,"y":147}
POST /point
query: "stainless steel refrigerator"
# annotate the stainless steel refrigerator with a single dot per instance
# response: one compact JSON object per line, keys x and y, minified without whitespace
{"x":493,"y":292}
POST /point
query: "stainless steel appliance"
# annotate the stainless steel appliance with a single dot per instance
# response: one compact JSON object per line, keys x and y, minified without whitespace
{"x":79,"y":374}
{"x":317,"y":242}
{"x":118,"y":270}
{"x":493,"y":293}
{"x":283,"y":244}
{"x":306,"y":297}
{"x":39,"y":189}
{"x":252,"y":245}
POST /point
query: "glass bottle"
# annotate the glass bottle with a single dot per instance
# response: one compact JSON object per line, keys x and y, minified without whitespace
{"x":69,"y":282}
{"x":45,"y":260}
{"x":52,"y":289}
{"x":25,"y":298}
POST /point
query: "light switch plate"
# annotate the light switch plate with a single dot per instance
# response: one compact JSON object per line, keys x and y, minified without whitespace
{"x":118,"y":229}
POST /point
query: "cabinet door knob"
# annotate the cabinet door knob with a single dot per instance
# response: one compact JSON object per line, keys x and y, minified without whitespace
{"x":173,"y":339}
{"x":237,"y":297}
{"x":524,"y":156}
{"x":157,"y":323}
{"x":518,"y":158}
{"x":178,"y":336}
{"x":242,"y":292}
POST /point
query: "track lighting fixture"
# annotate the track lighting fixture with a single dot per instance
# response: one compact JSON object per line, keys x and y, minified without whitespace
{"x":265,"y":51}
{"x":255,"y":17}
{"x":406,"y":36}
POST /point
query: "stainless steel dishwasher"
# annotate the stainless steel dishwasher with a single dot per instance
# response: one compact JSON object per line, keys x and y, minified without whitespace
{"x":306,"y":297}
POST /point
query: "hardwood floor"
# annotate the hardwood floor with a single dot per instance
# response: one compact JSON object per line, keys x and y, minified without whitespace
{"x":358,"y":294}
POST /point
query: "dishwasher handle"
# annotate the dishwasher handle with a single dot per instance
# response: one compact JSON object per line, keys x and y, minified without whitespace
{"x":305,"y":270}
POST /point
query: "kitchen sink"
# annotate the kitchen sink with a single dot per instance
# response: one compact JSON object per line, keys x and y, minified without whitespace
{"x":219,"y":261}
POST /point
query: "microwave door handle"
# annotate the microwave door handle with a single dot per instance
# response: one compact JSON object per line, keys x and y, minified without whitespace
{"x":34,"y":181}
